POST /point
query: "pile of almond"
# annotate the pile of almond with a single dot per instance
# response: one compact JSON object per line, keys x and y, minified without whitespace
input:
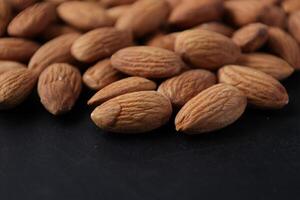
{"x":203,"y":61}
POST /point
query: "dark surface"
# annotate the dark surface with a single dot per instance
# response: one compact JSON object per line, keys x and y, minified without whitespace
{"x":43,"y":157}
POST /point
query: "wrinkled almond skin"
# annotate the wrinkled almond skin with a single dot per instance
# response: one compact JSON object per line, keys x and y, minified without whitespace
{"x":273,"y":16}
{"x":100,"y":43}
{"x":15,"y":86}
{"x":5,"y":16}
{"x":269,"y":64}
{"x":17,"y":49}
{"x":148,"y":62}
{"x":101,"y":75}
{"x":165,"y":41}
{"x":211,"y":110}
{"x":33,"y":20}
{"x":284,"y":45}
{"x":136,"y":112}
{"x":54,"y":51}
{"x":206,"y":49}
{"x":261,"y":89}
{"x":59,"y":87}
{"x":144,"y":17}
{"x":55,"y":30}
{"x":294,"y":25}
{"x":124,"y":86}
{"x":189,"y":13}
{"x":180,"y":89}
{"x":84,"y":16}
{"x":216,"y":27}
{"x":10,"y":65}
{"x":251,"y":37}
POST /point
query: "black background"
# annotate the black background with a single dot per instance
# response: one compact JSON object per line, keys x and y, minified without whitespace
{"x":44,"y":157}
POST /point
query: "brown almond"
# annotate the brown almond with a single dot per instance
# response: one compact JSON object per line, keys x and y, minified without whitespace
{"x":211,"y":110}
{"x":261,"y":89}
{"x":206,"y":49}
{"x":135,"y":112}
{"x":19,"y":5}
{"x":269,"y":64}
{"x":5,"y":16}
{"x":148,"y":62}
{"x":33,"y":20}
{"x":124,"y":86}
{"x":180,"y":89}
{"x":101,"y":75}
{"x":55,"y":30}
{"x":17,"y":49}
{"x":251,"y":37}
{"x":291,"y":6}
{"x":144,"y":17}
{"x":173,"y":3}
{"x":10,"y":65}
{"x":100,"y":43}
{"x":15,"y":86}
{"x":112,"y":3}
{"x":216,"y":27}
{"x":273,"y":16}
{"x":284,"y":45}
{"x":116,"y":12}
{"x":165,"y":41}
{"x":54,"y":51}
{"x":59,"y":87}
{"x":294,"y":25}
{"x":84,"y":15}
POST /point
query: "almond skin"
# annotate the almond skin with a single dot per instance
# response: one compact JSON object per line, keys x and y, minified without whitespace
{"x":261,"y":89}
{"x":59,"y":87}
{"x":274,"y":16}
{"x":100,"y":43}
{"x":5,"y":16}
{"x":19,"y":5}
{"x":294,"y":25}
{"x":284,"y":45}
{"x":124,"y":86}
{"x":165,"y":41}
{"x":136,"y":112}
{"x":211,"y":110}
{"x":15,"y":86}
{"x":54,"y":51}
{"x":148,"y":62}
{"x":291,"y":6}
{"x":206,"y":49}
{"x":55,"y":30}
{"x":101,"y":75}
{"x":33,"y":20}
{"x":116,"y":12}
{"x":251,"y":37}
{"x":180,"y":89}
{"x":17,"y":49}
{"x":216,"y":27}
{"x":10,"y":65}
{"x":84,"y":16}
{"x":112,"y":3}
{"x":269,"y":64}
{"x":144,"y":17}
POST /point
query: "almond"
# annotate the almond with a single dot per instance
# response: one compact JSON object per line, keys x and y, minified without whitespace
{"x":21,"y":4}
{"x":294,"y":25}
{"x":101,"y":75}
{"x":111,"y":3}
{"x":291,"y":6}
{"x":261,"y":89}
{"x":273,"y":16}
{"x":216,"y":27}
{"x":165,"y":41}
{"x":56,"y":30}
{"x":189,"y":13}
{"x":124,"y":86}
{"x":144,"y":17}
{"x":33,"y":20}
{"x":17,"y":49}
{"x":10,"y":65}
{"x":282,"y":44}
{"x":174,"y":3}
{"x":135,"y":112}
{"x":5,"y":16}
{"x":149,"y":62}
{"x":15,"y":86}
{"x":100,"y":43}
{"x":268,"y":64}
{"x":206,"y":49}
{"x":211,"y":110}
{"x":84,"y":15}
{"x":180,"y":89}
{"x":116,"y":12}
{"x":251,"y":37}
{"x":54,"y":51}
{"x":59,"y":87}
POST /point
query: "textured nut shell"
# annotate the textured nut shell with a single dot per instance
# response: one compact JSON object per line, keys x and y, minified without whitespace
{"x":135,"y":112}
{"x":101,"y":75}
{"x":55,"y":30}
{"x":163,"y":41}
{"x":143,"y":17}
{"x":5,"y":16}
{"x":54,"y":51}
{"x":10,"y":65}
{"x":269,"y":64}
{"x":100,"y":43}
{"x":15,"y":86}
{"x":261,"y":89}
{"x":84,"y":15}
{"x":294,"y":25}
{"x":59,"y":87}
{"x":251,"y":37}
{"x":124,"y":86}
{"x":180,"y":89}
{"x":211,"y":110}
{"x":282,"y":44}
{"x":206,"y":49}
{"x":216,"y":27}
{"x":17,"y":49}
{"x":33,"y":20}
{"x":149,"y":62}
